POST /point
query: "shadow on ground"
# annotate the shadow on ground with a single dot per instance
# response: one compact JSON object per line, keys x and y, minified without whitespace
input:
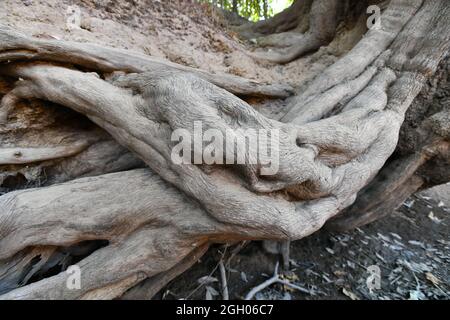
{"x":411,"y":249}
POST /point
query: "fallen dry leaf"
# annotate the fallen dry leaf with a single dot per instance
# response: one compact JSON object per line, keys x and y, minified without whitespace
{"x":432,"y":278}
{"x":433,"y":217}
{"x":350,"y":294}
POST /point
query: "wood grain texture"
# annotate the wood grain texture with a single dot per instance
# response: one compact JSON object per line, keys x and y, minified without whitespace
{"x":335,"y":137}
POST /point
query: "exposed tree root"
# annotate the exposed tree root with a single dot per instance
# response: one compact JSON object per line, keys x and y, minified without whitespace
{"x":323,"y":22}
{"x":151,"y":286}
{"x":372,"y":46}
{"x":159,"y":220}
{"x":390,"y":188}
{"x":19,"y":269}
{"x":139,"y":242}
{"x":27,"y":155}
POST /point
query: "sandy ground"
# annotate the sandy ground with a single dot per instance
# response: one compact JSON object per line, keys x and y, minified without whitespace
{"x":187,"y":34}
{"x":411,"y":247}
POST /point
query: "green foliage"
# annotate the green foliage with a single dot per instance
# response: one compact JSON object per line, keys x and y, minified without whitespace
{"x":253,"y":10}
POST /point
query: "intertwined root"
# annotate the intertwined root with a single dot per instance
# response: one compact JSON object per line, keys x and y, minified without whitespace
{"x":323,"y":21}
{"x":320,"y":157}
{"x":155,"y":219}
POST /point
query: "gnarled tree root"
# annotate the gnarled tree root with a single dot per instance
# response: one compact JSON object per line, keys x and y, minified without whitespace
{"x":323,"y":22}
{"x":154,"y":219}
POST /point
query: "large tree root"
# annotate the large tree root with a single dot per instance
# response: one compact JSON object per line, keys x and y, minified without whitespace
{"x":151,"y":286}
{"x":374,"y":45}
{"x":323,"y":22}
{"x":409,"y":170}
{"x":155,"y":220}
{"x":305,"y":27}
{"x":283,"y":21}
{"x":149,"y":228}
{"x":327,"y":94}
{"x":106,"y":60}
{"x":390,"y":188}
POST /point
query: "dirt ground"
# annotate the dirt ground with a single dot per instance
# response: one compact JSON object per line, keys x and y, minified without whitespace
{"x":173,"y":29}
{"x":411,"y":247}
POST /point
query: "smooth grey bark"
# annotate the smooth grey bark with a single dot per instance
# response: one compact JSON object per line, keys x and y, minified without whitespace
{"x":157,"y":219}
{"x":303,"y":28}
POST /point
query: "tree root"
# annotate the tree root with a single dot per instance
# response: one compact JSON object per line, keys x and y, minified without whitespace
{"x":155,"y":220}
{"x":106,"y":60}
{"x":151,"y":286}
{"x":372,"y":46}
{"x":275,"y":279}
{"x":322,"y":28}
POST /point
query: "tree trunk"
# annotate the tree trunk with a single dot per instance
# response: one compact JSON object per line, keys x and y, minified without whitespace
{"x":130,"y":232}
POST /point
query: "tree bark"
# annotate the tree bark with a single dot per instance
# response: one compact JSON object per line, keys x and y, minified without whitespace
{"x":149,"y":223}
{"x":304,"y":27}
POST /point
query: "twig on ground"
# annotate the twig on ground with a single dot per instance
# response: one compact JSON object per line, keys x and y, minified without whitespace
{"x":223,"y":277}
{"x":275,"y":279}
{"x":210,"y":274}
{"x":285,"y":253}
